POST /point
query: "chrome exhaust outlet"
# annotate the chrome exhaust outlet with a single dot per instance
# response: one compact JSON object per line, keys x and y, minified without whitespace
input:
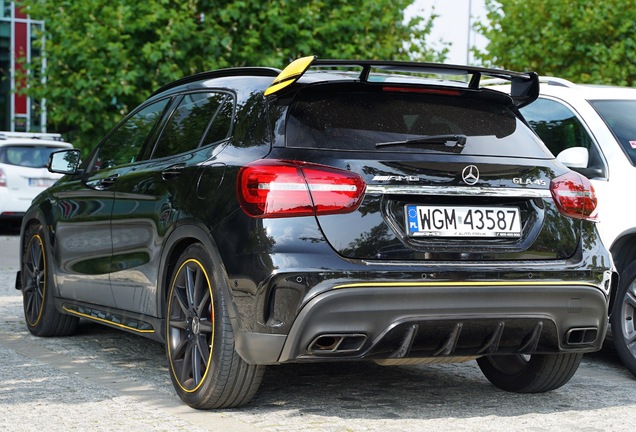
{"x":581,"y":336}
{"x":337,"y":343}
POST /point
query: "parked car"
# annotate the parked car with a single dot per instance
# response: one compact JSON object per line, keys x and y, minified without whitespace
{"x":23,"y":172}
{"x":592,"y":129}
{"x":333,"y":211}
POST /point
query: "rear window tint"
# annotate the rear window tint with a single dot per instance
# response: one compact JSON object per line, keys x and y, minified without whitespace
{"x":26,"y":156}
{"x":360,"y":120}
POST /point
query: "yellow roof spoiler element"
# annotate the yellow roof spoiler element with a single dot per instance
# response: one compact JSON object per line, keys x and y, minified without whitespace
{"x":290,"y":74}
{"x":524,"y":85}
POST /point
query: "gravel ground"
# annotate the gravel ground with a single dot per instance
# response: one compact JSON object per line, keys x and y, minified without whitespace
{"x":107,"y":380}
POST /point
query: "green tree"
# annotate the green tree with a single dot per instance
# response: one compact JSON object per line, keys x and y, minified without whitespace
{"x":104,"y":57}
{"x":583,"y":41}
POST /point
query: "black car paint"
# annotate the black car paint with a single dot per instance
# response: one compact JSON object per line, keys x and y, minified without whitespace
{"x":274,"y":268}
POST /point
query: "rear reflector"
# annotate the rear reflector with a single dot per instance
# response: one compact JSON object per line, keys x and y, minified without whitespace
{"x":574,"y":196}
{"x":276,"y":188}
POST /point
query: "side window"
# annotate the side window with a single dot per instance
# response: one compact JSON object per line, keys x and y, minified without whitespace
{"x":557,"y":125}
{"x":219,"y":127}
{"x":125,"y":144}
{"x":200,"y":118}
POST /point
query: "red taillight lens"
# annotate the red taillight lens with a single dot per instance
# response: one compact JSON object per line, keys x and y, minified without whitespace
{"x":275,"y":188}
{"x":3,"y":178}
{"x":574,"y":196}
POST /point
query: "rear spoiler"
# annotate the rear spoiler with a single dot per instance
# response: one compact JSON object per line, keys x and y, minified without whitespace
{"x":524,"y":85}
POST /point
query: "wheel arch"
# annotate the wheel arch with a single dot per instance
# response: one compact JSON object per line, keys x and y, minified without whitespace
{"x":178,"y":241}
{"x":623,"y":252}
{"x":41,"y":214}
{"x":624,"y":249}
{"x":32,"y":218}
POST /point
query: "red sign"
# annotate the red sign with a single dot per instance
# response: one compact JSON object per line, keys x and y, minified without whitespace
{"x":20,"y":46}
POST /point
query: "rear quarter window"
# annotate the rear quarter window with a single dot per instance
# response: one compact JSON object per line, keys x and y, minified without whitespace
{"x":360,"y":120}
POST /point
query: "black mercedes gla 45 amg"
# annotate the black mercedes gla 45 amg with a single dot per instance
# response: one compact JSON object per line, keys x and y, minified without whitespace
{"x":395,"y":212}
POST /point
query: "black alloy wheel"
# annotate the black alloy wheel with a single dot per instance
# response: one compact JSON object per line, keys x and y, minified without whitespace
{"x":205,"y":369}
{"x":42,"y":318}
{"x":34,"y":283}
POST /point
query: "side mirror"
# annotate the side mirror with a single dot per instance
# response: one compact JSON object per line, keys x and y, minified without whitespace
{"x":64,"y":161}
{"x":574,"y":157}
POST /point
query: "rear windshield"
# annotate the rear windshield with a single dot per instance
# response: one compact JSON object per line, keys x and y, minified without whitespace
{"x":26,"y":156}
{"x":360,"y":120}
{"x":619,"y":116}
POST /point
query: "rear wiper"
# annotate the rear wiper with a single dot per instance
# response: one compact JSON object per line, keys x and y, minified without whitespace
{"x":437,"y":142}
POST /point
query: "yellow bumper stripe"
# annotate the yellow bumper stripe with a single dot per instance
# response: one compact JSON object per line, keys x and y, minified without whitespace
{"x":461,"y":284}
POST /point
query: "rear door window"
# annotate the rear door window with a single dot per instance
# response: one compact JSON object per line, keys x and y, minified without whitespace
{"x":200,"y":119}
{"x":361,"y":120}
{"x":125,"y":144}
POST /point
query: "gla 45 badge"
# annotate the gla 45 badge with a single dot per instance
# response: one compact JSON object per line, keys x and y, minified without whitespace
{"x":528,"y":181}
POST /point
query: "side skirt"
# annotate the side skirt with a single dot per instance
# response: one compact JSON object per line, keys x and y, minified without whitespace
{"x":142,"y":325}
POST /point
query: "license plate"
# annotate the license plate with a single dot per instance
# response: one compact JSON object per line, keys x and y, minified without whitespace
{"x":41,"y":182}
{"x":456,"y":221}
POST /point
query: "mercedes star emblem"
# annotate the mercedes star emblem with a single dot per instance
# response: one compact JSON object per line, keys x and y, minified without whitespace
{"x":470,"y":175}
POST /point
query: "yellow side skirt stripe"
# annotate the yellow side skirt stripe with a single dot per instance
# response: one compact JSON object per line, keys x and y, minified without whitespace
{"x":90,"y":317}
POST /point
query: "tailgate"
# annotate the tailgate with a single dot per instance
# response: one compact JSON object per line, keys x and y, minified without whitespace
{"x":450,"y":174}
{"x":427,"y":211}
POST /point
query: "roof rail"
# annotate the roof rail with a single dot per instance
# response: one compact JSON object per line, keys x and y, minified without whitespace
{"x":32,"y":135}
{"x":228,"y":72}
{"x":561,"y":82}
{"x":525,"y":85}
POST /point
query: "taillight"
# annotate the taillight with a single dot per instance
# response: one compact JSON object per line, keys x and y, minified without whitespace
{"x":574,"y":196}
{"x":276,"y":188}
{"x":3,"y":178}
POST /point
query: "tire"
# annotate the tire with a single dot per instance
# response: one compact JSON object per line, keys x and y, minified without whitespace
{"x":41,"y":316}
{"x":623,"y":318}
{"x":205,"y":369}
{"x":536,"y":373}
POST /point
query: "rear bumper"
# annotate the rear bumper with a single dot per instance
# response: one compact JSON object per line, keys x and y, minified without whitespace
{"x":14,"y":203}
{"x":425,"y":320}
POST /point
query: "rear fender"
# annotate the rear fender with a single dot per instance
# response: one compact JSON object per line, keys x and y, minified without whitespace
{"x":178,"y":240}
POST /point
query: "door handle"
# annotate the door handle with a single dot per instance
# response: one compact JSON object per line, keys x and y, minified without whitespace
{"x":105,"y":183}
{"x":172,"y":172}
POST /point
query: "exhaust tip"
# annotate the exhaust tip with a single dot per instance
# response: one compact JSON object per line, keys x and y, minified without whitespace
{"x":337,"y":343}
{"x":581,"y":336}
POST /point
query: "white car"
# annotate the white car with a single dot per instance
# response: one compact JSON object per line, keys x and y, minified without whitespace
{"x":23,"y":172}
{"x":592,"y":130}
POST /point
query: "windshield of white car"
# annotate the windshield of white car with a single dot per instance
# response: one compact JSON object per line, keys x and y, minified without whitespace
{"x":619,"y":116}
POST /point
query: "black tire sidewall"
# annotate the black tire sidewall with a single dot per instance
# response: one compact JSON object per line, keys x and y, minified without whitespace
{"x":627,"y":279}
{"x":45,"y":325}
{"x":222,"y":342}
{"x":541,"y":373}
{"x":514,"y":382}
